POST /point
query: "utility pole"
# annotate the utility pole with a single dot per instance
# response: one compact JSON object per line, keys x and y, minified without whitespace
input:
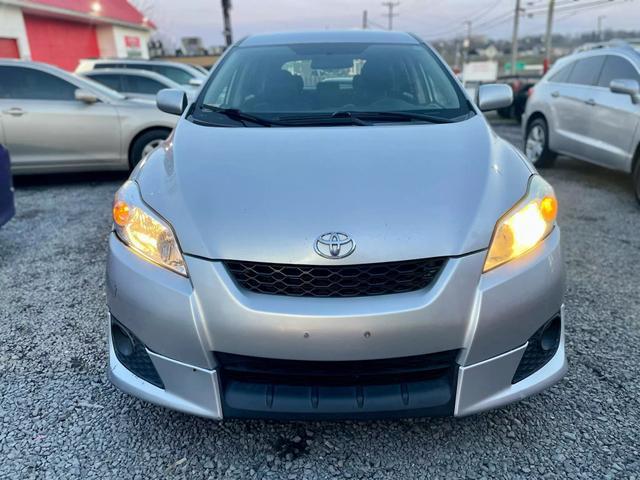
{"x":390,"y":15}
{"x":514,"y":38}
{"x":467,"y":41}
{"x":548,"y":36}
{"x":456,"y":62}
{"x":228,"y":35}
{"x":365,"y":19}
{"x":600,"y":31}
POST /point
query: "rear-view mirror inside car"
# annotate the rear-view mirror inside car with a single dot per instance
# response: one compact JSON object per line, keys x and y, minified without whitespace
{"x":332,"y":62}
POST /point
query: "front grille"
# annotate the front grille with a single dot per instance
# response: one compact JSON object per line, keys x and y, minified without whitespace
{"x":334,"y":373}
{"x":335,"y":281}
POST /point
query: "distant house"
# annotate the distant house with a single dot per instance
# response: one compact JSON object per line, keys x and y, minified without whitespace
{"x":61,"y":32}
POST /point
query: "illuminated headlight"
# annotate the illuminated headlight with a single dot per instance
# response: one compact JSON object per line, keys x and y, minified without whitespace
{"x":523,"y":227}
{"x":144,"y":232}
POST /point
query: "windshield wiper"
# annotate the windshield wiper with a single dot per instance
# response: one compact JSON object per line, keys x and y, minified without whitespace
{"x":337,"y":118}
{"x":239,"y":115}
{"x":346,"y":114}
{"x":401,"y":116}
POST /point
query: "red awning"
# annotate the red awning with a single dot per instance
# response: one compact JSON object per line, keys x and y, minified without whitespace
{"x":119,"y":10}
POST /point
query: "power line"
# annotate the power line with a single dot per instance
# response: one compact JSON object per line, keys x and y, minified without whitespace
{"x":561,"y":6}
{"x":474,"y":17}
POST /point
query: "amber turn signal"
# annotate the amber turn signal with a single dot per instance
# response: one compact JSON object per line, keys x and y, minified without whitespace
{"x":120,"y":213}
{"x":549,"y":208}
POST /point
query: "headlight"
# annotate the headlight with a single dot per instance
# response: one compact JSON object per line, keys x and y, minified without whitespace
{"x":523,"y":227}
{"x":144,"y":232}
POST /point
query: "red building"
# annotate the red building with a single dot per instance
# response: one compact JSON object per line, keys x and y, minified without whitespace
{"x":61,"y":32}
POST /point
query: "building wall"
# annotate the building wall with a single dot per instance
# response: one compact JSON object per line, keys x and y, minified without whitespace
{"x":130,"y":43}
{"x":106,"y":41}
{"x":61,"y":42}
{"x":12,"y":26}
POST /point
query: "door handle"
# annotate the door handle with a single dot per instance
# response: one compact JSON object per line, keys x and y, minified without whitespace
{"x":555,"y":94}
{"x":591,"y":102}
{"x":15,"y":111}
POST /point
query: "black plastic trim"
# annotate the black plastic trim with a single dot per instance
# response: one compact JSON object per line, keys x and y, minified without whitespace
{"x":336,"y":281}
{"x":137,"y":361}
{"x":253,"y":387}
{"x":541,"y":348}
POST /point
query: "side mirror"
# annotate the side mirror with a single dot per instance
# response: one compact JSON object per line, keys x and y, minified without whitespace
{"x":196,"y":82}
{"x":85,"y":96}
{"x":172,"y":100}
{"x":494,"y":96}
{"x":626,"y":87}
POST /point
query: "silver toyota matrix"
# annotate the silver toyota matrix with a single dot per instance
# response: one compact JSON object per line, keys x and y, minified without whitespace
{"x":334,"y":231}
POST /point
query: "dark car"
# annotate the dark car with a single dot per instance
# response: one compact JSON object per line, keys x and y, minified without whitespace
{"x":521,"y":86}
{"x":7,"y":208}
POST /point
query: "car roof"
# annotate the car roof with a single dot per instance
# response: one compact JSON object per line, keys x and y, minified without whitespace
{"x":329,"y":36}
{"x":107,"y":61}
{"x":74,"y":78}
{"x":17,"y":62}
{"x":46,"y":67}
{"x":622,"y":50}
{"x":126,"y":71}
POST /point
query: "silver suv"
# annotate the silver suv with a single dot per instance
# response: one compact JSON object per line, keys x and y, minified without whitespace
{"x":588,"y":106}
{"x":334,"y":231}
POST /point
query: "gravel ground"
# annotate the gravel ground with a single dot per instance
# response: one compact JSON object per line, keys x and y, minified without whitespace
{"x":60,"y":417}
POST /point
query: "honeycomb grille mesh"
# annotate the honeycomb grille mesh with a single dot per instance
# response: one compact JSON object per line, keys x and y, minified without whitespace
{"x":335,"y":281}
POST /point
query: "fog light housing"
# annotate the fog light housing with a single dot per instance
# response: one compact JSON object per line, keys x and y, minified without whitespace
{"x":541,"y":348}
{"x":132,"y":354}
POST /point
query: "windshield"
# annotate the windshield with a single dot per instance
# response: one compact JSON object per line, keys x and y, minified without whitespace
{"x":276,"y":82}
{"x":177,"y":74}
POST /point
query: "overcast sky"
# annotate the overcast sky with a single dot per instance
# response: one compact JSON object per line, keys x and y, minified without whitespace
{"x":427,"y":18}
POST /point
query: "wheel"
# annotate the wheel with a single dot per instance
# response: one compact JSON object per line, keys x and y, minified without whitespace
{"x":536,"y":145}
{"x":145,"y":144}
{"x":636,"y":180}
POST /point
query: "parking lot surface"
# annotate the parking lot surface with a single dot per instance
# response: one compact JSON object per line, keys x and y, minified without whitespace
{"x":61,"y":418}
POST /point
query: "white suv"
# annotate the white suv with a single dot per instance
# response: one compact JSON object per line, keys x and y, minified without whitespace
{"x":178,"y":72}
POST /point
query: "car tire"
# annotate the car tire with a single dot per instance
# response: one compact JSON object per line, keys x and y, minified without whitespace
{"x":636,"y":178}
{"x":536,"y":144}
{"x":145,"y":143}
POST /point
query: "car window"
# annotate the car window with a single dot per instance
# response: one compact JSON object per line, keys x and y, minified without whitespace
{"x":108,"y":80}
{"x":586,"y":71}
{"x":174,"y":73}
{"x":110,"y":65}
{"x":617,"y":68}
{"x":30,"y":84}
{"x":325,"y":78}
{"x":563,"y":74}
{"x":137,"y":84}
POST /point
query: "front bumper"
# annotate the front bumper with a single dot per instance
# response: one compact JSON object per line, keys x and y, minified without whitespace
{"x":486,"y":319}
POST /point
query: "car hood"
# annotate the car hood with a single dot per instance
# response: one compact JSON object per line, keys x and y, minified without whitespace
{"x":400,"y":191}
